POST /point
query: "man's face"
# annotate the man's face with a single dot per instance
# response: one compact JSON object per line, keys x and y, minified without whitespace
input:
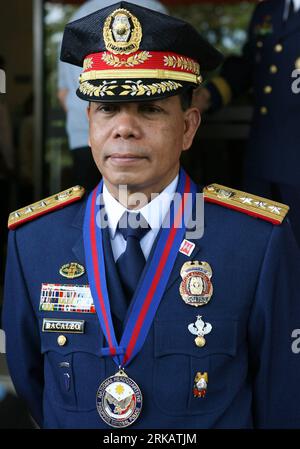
{"x":139,"y":144}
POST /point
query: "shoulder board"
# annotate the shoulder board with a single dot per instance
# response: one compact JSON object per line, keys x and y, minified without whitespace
{"x":44,"y":206}
{"x":247,"y":203}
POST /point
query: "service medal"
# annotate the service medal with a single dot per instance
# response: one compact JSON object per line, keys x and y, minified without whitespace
{"x":119,"y":400}
{"x":196,"y":288}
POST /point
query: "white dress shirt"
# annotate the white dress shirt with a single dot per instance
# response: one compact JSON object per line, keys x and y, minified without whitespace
{"x":154,"y":212}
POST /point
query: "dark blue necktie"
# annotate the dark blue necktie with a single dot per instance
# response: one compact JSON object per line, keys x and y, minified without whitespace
{"x":130,"y":264}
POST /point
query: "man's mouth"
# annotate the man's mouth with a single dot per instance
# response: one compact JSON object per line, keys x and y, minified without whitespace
{"x":125,"y":158}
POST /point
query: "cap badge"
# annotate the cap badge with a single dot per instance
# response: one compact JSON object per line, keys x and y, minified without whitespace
{"x":196,"y":288}
{"x":122,"y":32}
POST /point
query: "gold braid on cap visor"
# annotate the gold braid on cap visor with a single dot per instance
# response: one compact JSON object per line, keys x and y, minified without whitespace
{"x":159,"y":74}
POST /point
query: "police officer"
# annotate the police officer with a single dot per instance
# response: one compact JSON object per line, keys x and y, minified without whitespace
{"x":268,"y":64}
{"x":118,"y":310}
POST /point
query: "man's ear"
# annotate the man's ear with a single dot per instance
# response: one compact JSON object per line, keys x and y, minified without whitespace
{"x":192,"y":120}
{"x":88,"y":113}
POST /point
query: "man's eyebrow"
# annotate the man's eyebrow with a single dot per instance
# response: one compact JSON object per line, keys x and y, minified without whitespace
{"x":105,"y":103}
{"x":151,"y":103}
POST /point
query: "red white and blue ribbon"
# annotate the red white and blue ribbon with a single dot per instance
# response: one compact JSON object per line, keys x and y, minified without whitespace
{"x":150,"y":291}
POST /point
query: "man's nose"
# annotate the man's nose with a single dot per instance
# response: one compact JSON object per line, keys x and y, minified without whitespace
{"x":127,"y":126}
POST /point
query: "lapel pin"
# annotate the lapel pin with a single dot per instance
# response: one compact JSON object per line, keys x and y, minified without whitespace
{"x":186,"y":247}
{"x":200,"y":385}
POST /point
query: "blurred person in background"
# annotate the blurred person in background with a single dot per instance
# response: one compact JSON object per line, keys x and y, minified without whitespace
{"x":267,"y":64}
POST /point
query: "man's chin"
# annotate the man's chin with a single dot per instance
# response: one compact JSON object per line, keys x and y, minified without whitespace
{"x":128,"y":179}
{"x":118,"y":171}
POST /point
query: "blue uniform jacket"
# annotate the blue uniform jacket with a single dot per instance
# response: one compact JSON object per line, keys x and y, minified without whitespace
{"x":270,"y":56}
{"x":253,"y":374}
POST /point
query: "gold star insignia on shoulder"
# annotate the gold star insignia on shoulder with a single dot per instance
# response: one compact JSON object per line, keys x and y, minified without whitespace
{"x":253,"y":205}
{"x":44,"y":206}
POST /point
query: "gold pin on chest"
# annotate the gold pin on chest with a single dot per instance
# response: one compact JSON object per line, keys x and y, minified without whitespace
{"x":72,"y":270}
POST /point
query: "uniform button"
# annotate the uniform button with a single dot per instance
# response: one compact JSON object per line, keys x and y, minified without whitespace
{"x":61,"y":340}
{"x":278,"y":48}
{"x":263,"y":110}
{"x":297,"y":63}
{"x":273,"y":68}
{"x":259,"y":44}
{"x":267,"y":89}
